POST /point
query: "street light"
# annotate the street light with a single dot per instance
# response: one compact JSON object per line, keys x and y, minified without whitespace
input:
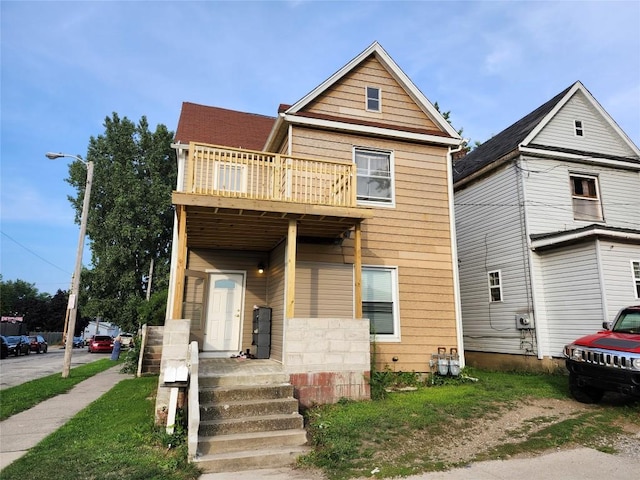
{"x":72,"y":306}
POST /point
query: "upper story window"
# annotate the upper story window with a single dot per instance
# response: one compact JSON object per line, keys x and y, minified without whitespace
{"x":585,"y":198}
{"x":579,"y":130}
{"x":374,"y":103}
{"x":635,"y":267}
{"x":495,"y":286}
{"x":375,"y":176}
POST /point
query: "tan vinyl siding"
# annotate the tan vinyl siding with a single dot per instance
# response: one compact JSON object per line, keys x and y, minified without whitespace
{"x":348,"y":99}
{"x":324,"y":290}
{"x":256,"y":284}
{"x":275,"y":296}
{"x":413,"y":236}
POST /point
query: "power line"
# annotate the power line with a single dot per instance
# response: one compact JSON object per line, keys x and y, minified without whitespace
{"x":34,"y":253}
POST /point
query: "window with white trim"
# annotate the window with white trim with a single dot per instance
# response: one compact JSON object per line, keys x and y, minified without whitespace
{"x":635,"y":267}
{"x":231,"y":178}
{"x":578,"y":128}
{"x":585,"y":198}
{"x":374,"y":103}
{"x":375,"y":176}
{"x":495,"y":286}
{"x":379,"y":301}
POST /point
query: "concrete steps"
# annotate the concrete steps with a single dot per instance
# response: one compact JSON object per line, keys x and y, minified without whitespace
{"x":248,"y":418}
{"x":152,"y":351}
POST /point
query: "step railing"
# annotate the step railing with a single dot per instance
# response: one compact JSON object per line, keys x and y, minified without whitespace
{"x":193,"y":404}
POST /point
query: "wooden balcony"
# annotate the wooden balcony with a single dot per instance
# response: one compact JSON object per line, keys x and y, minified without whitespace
{"x":244,"y":199}
{"x":236,"y":173}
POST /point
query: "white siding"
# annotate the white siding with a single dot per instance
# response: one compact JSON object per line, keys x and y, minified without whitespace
{"x":490,"y":237}
{"x":616,"y":261}
{"x":598,"y":134}
{"x":572,"y":292}
{"x":548,"y":193}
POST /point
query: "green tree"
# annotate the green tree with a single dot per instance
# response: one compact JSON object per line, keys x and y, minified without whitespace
{"x":130,"y":217}
{"x":40,"y":311}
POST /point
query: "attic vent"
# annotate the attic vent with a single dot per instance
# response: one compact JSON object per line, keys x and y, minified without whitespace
{"x":373,"y":99}
{"x":578,"y":128}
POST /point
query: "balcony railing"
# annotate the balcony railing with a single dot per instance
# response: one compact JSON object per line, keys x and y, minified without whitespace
{"x":237,"y":173}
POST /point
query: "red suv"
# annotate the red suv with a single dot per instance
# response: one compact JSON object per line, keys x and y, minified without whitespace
{"x":101,"y":343}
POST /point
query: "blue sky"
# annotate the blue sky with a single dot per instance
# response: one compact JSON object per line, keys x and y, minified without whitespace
{"x":67,"y":65}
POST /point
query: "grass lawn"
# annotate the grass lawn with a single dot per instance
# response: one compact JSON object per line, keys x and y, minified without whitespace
{"x":113,"y":438}
{"x":396,"y":434}
{"x":22,"y":397}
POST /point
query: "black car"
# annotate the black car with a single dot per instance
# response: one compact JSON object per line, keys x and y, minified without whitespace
{"x":18,"y":345}
{"x":38,"y":344}
{"x":4,"y":348}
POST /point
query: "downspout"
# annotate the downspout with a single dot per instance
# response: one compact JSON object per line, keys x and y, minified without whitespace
{"x":454,"y":252}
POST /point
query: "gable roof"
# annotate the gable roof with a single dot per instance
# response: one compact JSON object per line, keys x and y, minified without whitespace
{"x":509,"y":142}
{"x":505,"y":142}
{"x":219,"y":126}
{"x":295,"y":112}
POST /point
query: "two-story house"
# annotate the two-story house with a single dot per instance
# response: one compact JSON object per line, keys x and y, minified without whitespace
{"x":548,"y":232}
{"x":317,"y":241}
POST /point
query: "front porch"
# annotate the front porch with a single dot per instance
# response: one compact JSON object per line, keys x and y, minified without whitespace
{"x":244,"y":413}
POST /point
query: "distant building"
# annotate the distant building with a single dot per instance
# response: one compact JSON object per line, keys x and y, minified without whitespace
{"x":96,"y":327}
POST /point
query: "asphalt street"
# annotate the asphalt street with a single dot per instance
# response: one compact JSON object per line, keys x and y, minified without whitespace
{"x":17,"y":370}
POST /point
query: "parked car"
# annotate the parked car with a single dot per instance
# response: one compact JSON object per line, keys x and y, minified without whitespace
{"x":78,"y":342}
{"x":608,"y":360}
{"x":38,"y":344}
{"x":126,"y":340}
{"x":18,"y":345}
{"x":101,"y":343}
{"x":4,"y":348}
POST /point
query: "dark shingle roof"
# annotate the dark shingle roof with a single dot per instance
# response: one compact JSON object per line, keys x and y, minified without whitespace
{"x":219,"y":126}
{"x":505,"y":142}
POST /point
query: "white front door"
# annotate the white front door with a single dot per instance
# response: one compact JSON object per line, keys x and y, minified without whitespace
{"x":224,"y":313}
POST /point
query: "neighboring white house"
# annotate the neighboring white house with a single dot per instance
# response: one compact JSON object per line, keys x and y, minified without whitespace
{"x":548,"y":231}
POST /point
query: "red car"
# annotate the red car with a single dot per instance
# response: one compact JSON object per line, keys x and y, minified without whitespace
{"x":101,"y":343}
{"x":38,"y":344}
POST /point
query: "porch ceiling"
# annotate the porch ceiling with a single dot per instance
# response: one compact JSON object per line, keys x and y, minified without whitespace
{"x":251,"y":225}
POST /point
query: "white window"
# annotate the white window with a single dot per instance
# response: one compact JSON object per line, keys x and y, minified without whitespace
{"x":379,"y":301}
{"x":374,"y":103}
{"x":495,"y":286}
{"x":375,"y":176}
{"x":579,"y":130}
{"x":231,"y":178}
{"x":585,"y":198}
{"x":635,"y":267}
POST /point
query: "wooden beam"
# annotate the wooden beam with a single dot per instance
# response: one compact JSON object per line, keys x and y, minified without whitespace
{"x":213,"y":201}
{"x":291,"y":268}
{"x":181,"y":264}
{"x":358,"y":269}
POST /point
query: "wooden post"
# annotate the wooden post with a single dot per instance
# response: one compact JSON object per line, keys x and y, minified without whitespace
{"x":178,"y":296}
{"x":291,"y":268}
{"x":358,"y":269}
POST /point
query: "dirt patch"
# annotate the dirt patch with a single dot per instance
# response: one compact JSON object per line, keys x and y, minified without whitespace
{"x":516,"y":424}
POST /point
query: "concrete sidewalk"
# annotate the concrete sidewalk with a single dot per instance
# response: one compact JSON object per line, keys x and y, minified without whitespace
{"x":24,"y":430}
{"x":577,"y":464}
